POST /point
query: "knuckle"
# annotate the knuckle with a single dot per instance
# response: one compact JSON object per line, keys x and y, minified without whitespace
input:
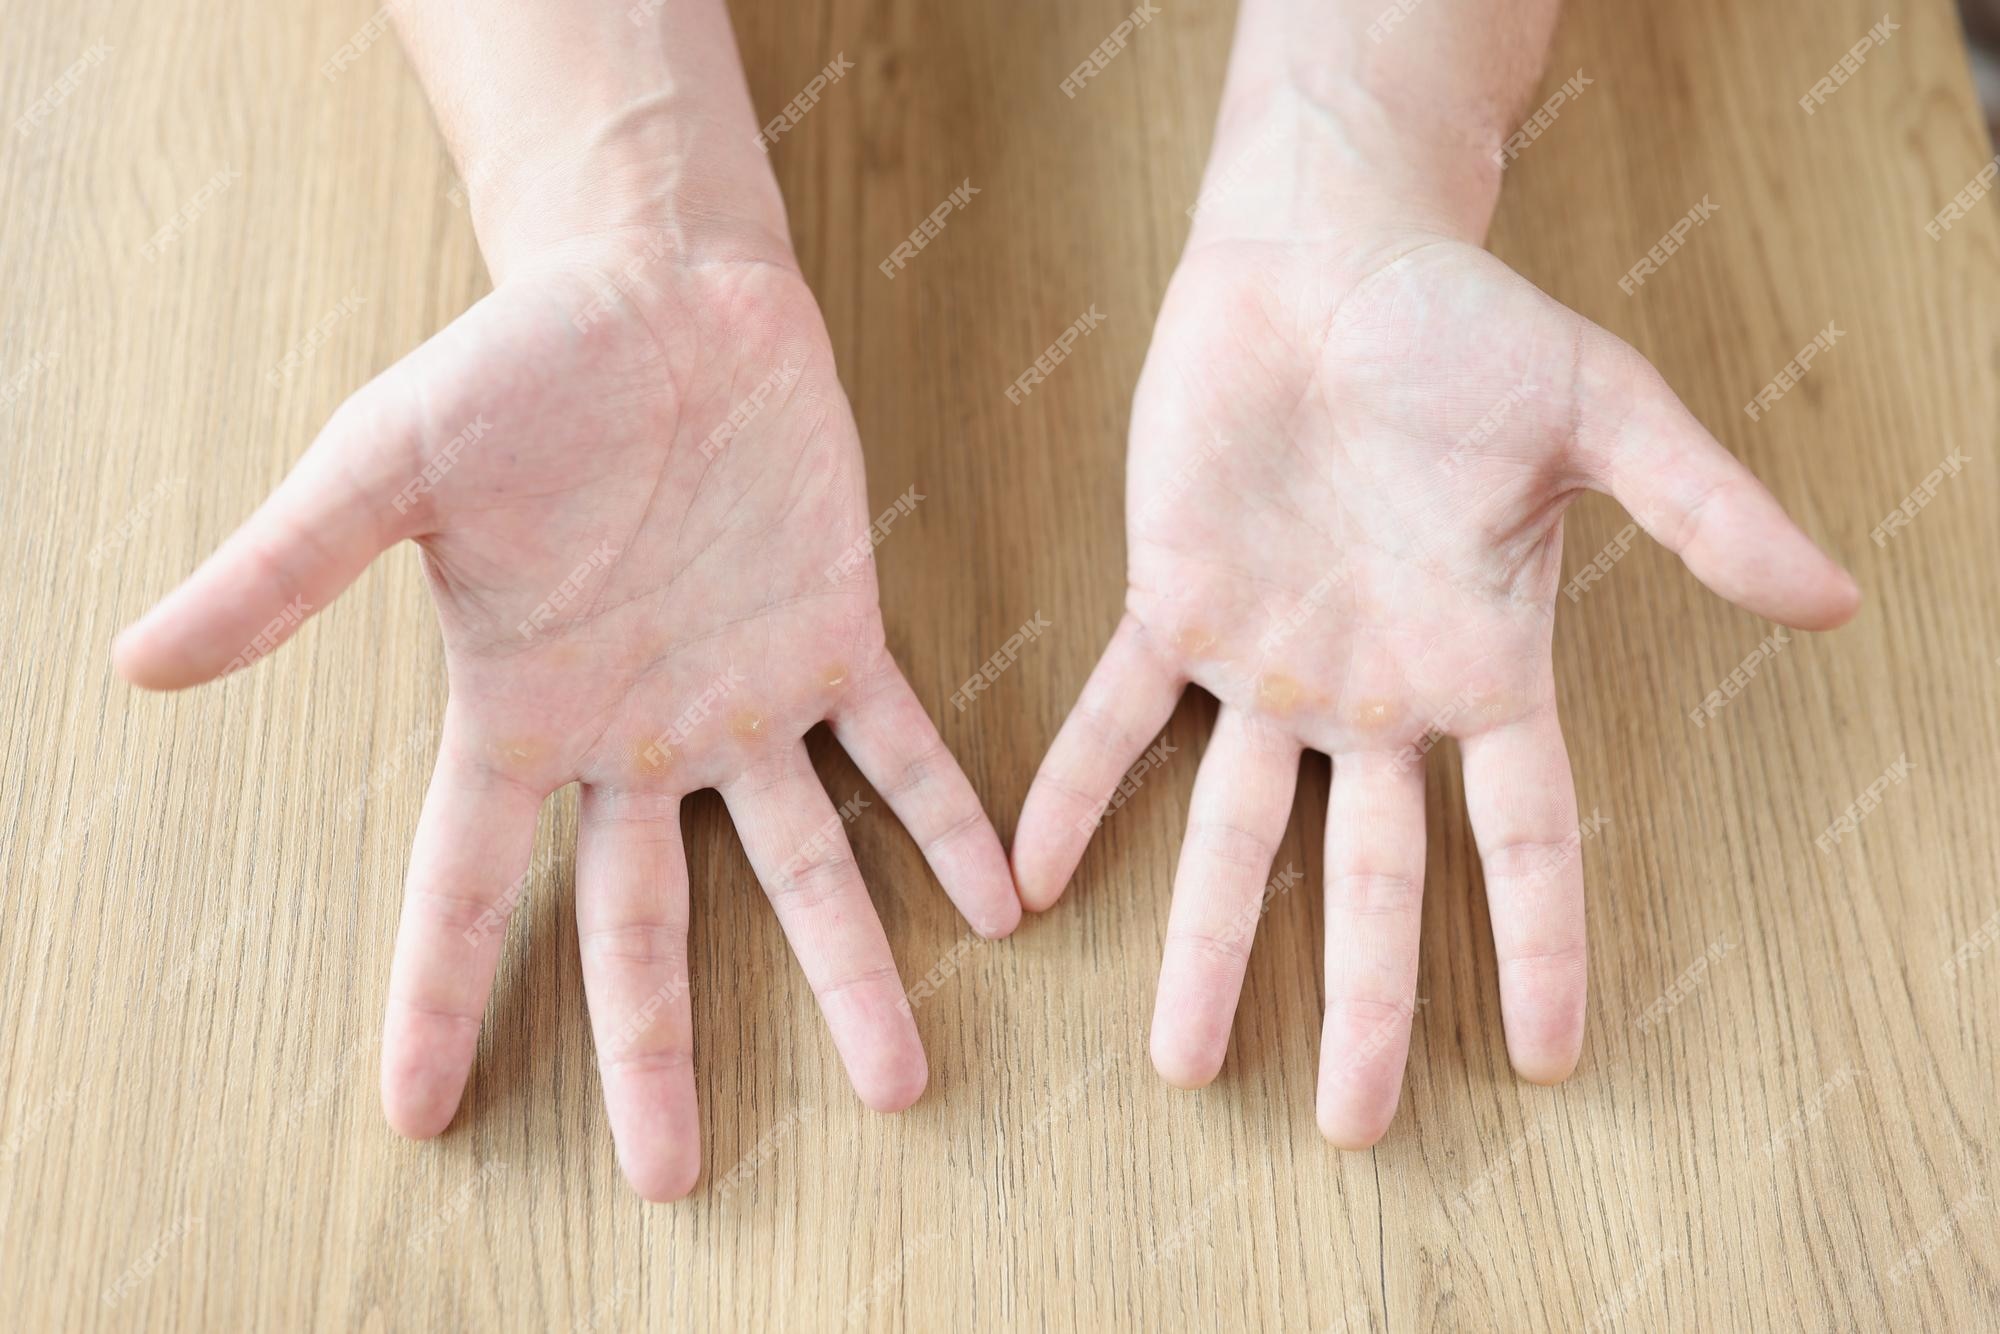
{"x":1102,"y":728}
{"x":1231,"y":845}
{"x":646,"y":944}
{"x":1225,"y":950}
{"x":953,"y":828}
{"x":458,"y":912}
{"x":881,"y":975}
{"x":919,"y":771}
{"x":1365,"y":1014}
{"x":1555,"y":959}
{"x":1528,"y":859}
{"x":1374,"y":893}
{"x":650,"y":1060}
{"x":813,"y":879}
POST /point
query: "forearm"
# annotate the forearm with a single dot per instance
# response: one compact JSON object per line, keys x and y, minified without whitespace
{"x":574,"y":120}
{"x":1369,"y":112}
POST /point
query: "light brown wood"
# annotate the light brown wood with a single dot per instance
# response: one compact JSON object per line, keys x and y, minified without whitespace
{"x":197,"y":926}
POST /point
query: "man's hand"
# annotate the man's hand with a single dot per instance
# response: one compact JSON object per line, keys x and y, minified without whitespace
{"x":1351,"y":449}
{"x":638,"y":490}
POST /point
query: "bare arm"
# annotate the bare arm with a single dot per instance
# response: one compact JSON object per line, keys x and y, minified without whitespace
{"x":1354,"y":111}
{"x":1351,"y":448}
{"x":572,"y":118}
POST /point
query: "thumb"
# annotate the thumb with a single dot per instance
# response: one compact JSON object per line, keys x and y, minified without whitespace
{"x":1641,"y":445}
{"x":343,"y":504}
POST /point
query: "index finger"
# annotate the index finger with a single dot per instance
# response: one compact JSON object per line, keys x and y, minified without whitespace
{"x":1128,"y":699}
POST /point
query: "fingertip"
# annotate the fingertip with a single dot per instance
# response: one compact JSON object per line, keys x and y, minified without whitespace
{"x":1749,"y":551}
{"x":986,"y":894}
{"x":896,"y":1087}
{"x":1006,"y":918}
{"x":1349,"y":1128}
{"x":417,"y":1113}
{"x":1792,"y":581}
{"x":153,"y":653}
{"x":1678,"y":482}
{"x":1543,"y":1017}
{"x":1836,"y":606}
{"x":1847,"y":598}
{"x":124,"y":660}
{"x":1549,"y":1056}
{"x":138,"y":663}
{"x":1037,"y":886}
{"x":655,"y":1126}
{"x":1040,"y":899}
{"x":885,"y":1061}
{"x":1545,"y":1068}
{"x":1358,"y":1096}
{"x":421,"y":1088}
{"x":665,"y":1175}
{"x":1183,"y":1064}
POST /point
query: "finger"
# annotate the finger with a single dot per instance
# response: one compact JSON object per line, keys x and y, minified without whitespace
{"x":798,"y":847}
{"x":1522,"y":802}
{"x":347,"y":500}
{"x":1242,"y":802}
{"x":474,"y":842}
{"x":1374,"y":915}
{"x":632,"y":925}
{"x":897,"y":748}
{"x":1641,"y":445}
{"x":1127,"y":700}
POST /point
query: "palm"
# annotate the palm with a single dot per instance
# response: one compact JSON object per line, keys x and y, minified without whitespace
{"x":696,"y":561}
{"x":1344,"y":513}
{"x":634,"y":600}
{"x":1361,"y":553}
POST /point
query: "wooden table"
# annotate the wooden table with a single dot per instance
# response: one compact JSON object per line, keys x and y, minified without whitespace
{"x":199,"y":910}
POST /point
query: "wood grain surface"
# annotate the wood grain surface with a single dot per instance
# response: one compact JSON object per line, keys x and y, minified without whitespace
{"x":1784,"y":1116}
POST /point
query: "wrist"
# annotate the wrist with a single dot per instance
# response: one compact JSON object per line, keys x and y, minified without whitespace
{"x":1343,"y":120}
{"x":654,"y":173}
{"x":581,"y":122}
{"x":1322,"y":161}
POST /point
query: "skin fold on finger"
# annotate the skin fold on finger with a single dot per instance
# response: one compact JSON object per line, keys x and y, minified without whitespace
{"x":632,"y":929}
{"x":1374,"y":914}
{"x":798,"y":846}
{"x":1242,"y":803}
{"x":1128,"y":699}
{"x":1522,"y":803}
{"x":892,"y":740}
{"x":1642,"y":446}
{"x":474,"y":842}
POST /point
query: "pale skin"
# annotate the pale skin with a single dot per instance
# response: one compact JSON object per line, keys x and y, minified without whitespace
{"x":1351,"y":448}
{"x":736,"y":607}
{"x":1330,"y":530}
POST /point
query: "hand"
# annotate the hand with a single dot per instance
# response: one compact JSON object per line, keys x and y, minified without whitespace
{"x":636,"y":598}
{"x":1349,"y":464}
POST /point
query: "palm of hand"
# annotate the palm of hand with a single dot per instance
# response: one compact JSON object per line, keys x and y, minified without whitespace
{"x":1345,"y":506}
{"x":680,"y":507}
{"x":639,"y":494}
{"x":1344,"y":517}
